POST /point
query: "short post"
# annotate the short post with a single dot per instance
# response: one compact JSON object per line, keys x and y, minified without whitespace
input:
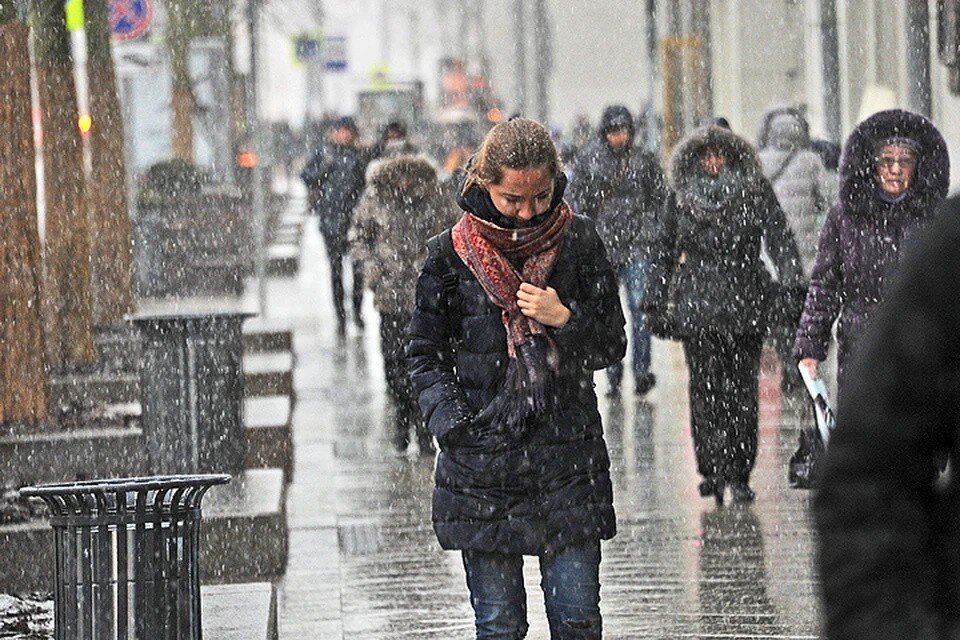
{"x":191,"y":381}
{"x":127,"y":556}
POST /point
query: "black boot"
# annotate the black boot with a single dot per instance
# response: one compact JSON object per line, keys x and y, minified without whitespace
{"x":712,"y":486}
{"x":646,"y":382}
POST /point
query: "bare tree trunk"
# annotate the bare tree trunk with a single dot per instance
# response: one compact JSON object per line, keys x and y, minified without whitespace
{"x":23,"y":386}
{"x":111,"y":243}
{"x":179,"y":35}
{"x":67,"y":277}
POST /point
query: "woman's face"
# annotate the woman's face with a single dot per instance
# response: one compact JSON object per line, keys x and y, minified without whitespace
{"x":896,"y":165}
{"x":523,"y":193}
{"x":713,"y":162}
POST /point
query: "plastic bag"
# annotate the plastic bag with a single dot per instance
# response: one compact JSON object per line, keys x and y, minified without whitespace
{"x":814,"y":436}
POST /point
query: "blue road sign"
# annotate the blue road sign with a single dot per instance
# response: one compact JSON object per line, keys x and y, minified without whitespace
{"x":308,"y":48}
{"x":129,"y":19}
{"x":336,"y":53}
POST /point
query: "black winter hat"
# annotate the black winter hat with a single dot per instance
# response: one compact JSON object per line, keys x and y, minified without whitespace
{"x":616,"y":117}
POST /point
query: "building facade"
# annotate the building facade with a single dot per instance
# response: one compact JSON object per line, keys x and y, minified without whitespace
{"x":840,"y":59}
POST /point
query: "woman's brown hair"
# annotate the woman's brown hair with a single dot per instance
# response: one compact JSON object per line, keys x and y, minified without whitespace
{"x":516,"y":144}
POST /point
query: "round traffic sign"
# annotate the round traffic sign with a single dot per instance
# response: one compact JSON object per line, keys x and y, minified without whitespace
{"x":129,"y":19}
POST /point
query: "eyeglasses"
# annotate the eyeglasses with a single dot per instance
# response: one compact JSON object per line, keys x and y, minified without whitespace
{"x":906,"y":162}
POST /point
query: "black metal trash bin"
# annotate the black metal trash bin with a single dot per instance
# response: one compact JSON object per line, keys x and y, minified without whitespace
{"x":191,"y":383}
{"x":127,"y":556}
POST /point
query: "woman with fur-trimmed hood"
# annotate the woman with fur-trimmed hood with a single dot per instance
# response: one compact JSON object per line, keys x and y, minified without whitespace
{"x":894,"y":172}
{"x":707,"y":261}
{"x":401,"y":208}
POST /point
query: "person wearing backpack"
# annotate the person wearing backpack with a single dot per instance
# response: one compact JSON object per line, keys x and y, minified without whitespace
{"x":805,"y":191}
{"x":515,"y":309}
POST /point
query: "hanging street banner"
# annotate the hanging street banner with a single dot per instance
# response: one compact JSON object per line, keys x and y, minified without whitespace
{"x":129,"y":19}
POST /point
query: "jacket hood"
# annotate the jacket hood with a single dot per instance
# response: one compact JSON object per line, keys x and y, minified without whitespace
{"x":616,"y":117}
{"x":859,"y":191}
{"x":387,"y":176}
{"x":783,"y":127}
{"x":685,"y":162}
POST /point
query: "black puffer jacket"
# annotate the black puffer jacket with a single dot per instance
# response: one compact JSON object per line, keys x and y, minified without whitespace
{"x":622,"y":190}
{"x":493,"y":492}
{"x":889,"y":544}
{"x":708,"y":258}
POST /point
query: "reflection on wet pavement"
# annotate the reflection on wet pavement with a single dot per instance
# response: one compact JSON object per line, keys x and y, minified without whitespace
{"x":364,"y":563}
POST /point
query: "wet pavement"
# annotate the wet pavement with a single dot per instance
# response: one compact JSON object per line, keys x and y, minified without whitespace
{"x":364,"y":563}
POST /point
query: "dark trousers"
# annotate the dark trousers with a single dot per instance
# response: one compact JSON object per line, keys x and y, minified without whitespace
{"x":393,"y":344}
{"x":337,"y":250}
{"x":724,"y":372}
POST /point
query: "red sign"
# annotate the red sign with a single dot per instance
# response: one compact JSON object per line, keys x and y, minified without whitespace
{"x":129,"y":19}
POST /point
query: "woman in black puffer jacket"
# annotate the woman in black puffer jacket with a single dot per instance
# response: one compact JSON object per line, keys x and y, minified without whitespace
{"x":515,"y":309}
{"x":710,"y":244}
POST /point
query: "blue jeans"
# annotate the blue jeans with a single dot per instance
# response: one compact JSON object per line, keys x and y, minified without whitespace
{"x":571,"y":591}
{"x":633,"y":277}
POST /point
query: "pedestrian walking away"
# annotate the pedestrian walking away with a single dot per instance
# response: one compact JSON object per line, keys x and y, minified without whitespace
{"x":894,"y":172}
{"x":805,"y":191}
{"x":889,"y":528}
{"x":514,"y":310}
{"x":334,"y":177}
{"x":401,"y":208}
{"x":621,"y":188}
{"x":707,"y":264}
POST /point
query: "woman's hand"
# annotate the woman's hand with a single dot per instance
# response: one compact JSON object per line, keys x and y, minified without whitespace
{"x":810,"y":365}
{"x":543,"y":305}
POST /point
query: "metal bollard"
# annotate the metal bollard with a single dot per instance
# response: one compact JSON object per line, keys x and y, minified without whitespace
{"x":191,"y":382}
{"x":127,"y":556}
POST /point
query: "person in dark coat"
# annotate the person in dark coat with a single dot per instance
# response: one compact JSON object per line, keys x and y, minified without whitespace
{"x":334,"y":177}
{"x":805,"y":191}
{"x":401,"y":208}
{"x":709,"y":247}
{"x":621,"y":187}
{"x":889,"y":528}
{"x":514,"y":310}
{"x":894,"y":172}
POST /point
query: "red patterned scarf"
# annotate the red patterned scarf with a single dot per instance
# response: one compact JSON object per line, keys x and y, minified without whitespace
{"x":488,"y":250}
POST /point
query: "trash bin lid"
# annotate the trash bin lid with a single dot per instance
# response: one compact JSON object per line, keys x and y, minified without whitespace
{"x":115,"y":485}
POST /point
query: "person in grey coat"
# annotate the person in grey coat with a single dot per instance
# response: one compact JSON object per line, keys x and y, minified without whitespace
{"x":621,"y":187}
{"x":805,"y":191}
{"x":401,"y":208}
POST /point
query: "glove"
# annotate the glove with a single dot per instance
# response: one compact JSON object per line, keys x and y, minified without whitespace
{"x":479,"y":432}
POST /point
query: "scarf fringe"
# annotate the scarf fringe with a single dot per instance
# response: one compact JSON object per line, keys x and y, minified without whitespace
{"x":528,"y":388}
